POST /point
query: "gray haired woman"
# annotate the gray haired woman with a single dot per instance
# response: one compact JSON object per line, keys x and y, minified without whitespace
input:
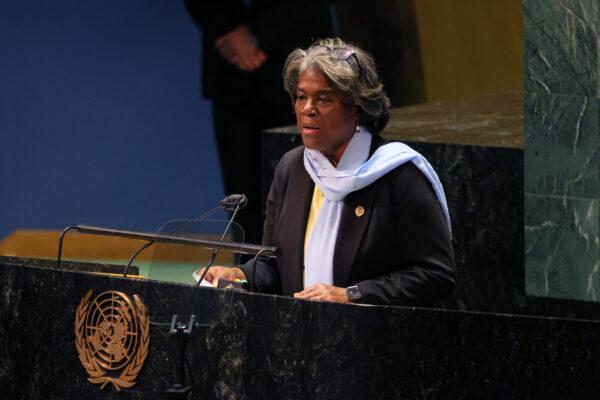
{"x":356,"y":219}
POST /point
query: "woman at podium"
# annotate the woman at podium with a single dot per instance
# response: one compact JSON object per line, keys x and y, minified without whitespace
{"x":356,"y":219}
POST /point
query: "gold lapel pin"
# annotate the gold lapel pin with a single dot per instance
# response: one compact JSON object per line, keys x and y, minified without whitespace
{"x":359,"y":211}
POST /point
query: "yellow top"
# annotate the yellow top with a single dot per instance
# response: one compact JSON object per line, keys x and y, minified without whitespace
{"x":315,"y":206}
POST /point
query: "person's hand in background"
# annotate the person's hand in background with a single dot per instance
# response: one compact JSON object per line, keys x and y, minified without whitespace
{"x":239,"y":47}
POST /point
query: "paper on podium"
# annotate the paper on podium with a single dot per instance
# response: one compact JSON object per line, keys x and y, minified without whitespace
{"x":204,"y":282}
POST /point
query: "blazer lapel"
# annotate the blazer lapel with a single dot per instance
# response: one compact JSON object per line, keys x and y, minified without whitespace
{"x":298,"y":197}
{"x":356,"y":214}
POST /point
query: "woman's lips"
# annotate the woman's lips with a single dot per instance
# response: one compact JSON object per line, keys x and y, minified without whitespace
{"x":308,"y":129}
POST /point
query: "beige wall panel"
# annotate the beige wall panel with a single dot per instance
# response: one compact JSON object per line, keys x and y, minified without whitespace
{"x":44,"y":244}
{"x":470,"y":46}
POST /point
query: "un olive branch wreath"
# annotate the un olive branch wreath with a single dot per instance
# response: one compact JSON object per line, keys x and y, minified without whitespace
{"x":97,"y":374}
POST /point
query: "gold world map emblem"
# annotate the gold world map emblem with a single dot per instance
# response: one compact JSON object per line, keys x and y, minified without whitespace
{"x":112,"y":334}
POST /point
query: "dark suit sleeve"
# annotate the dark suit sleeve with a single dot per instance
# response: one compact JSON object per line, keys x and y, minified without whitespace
{"x":267,"y":274}
{"x":424,"y":270}
{"x":216,"y":17}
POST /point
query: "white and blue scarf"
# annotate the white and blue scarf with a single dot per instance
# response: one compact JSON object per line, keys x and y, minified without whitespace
{"x":354,"y":171}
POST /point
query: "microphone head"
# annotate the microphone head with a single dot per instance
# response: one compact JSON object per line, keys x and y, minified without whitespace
{"x":234,"y":200}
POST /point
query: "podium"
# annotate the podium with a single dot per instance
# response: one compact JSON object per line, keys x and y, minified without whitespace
{"x":256,"y":346}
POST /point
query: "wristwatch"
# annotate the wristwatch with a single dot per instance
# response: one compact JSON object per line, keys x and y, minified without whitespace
{"x":353,"y":293}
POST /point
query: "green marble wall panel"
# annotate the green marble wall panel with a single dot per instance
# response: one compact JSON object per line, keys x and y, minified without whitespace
{"x":562,"y":247}
{"x":562,"y":141}
{"x":561,"y":46}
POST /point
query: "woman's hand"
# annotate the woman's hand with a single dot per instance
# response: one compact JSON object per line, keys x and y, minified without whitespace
{"x":322,"y":292}
{"x":215,"y":273}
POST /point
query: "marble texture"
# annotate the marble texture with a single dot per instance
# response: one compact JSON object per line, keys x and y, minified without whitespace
{"x":562,"y":247}
{"x":561,"y":47}
{"x":261,"y":346}
{"x":487,"y":229}
{"x":489,"y":120}
{"x":486,"y":120}
{"x":70,"y":265}
{"x":562,"y":137}
{"x":519,"y":349}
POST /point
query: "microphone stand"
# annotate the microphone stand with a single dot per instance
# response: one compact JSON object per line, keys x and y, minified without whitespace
{"x":243,"y":248}
{"x":254,"y":260}
{"x":215,"y":251}
{"x":182,"y":227}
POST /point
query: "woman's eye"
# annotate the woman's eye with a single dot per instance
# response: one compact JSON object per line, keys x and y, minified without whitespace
{"x":324,"y":100}
{"x":300,"y":97}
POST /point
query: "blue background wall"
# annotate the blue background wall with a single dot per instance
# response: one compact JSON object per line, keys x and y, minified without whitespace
{"x":101,"y":120}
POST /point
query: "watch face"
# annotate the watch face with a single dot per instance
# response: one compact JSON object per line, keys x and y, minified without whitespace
{"x":354,"y":293}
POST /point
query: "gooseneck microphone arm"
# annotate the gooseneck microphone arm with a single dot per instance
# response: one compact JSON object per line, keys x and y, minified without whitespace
{"x":240,"y":205}
{"x":254,"y":261}
{"x":142,"y":248}
{"x":226,"y":203}
{"x":150,"y":243}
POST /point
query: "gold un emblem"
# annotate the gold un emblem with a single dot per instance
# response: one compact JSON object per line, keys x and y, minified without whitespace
{"x":112,"y":334}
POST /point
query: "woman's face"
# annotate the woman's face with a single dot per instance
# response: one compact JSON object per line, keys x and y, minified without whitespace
{"x":324,"y":116}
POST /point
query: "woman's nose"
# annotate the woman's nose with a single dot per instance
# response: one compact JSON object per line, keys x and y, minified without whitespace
{"x":309,"y":108}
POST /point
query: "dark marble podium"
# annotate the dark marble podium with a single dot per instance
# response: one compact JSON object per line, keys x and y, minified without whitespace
{"x":255,"y":346}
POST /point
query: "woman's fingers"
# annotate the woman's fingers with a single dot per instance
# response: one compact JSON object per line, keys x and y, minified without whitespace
{"x":216,"y":273}
{"x":213,"y":272}
{"x":228,"y":273}
{"x":311,"y":291}
{"x":322,"y":292}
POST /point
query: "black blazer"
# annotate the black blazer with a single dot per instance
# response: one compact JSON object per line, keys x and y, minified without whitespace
{"x":398,"y":253}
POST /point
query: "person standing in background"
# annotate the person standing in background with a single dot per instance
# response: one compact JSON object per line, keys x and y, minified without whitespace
{"x":244,"y":47}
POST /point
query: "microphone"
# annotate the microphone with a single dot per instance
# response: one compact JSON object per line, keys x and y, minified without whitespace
{"x":234,"y":200}
{"x":228,"y":203}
